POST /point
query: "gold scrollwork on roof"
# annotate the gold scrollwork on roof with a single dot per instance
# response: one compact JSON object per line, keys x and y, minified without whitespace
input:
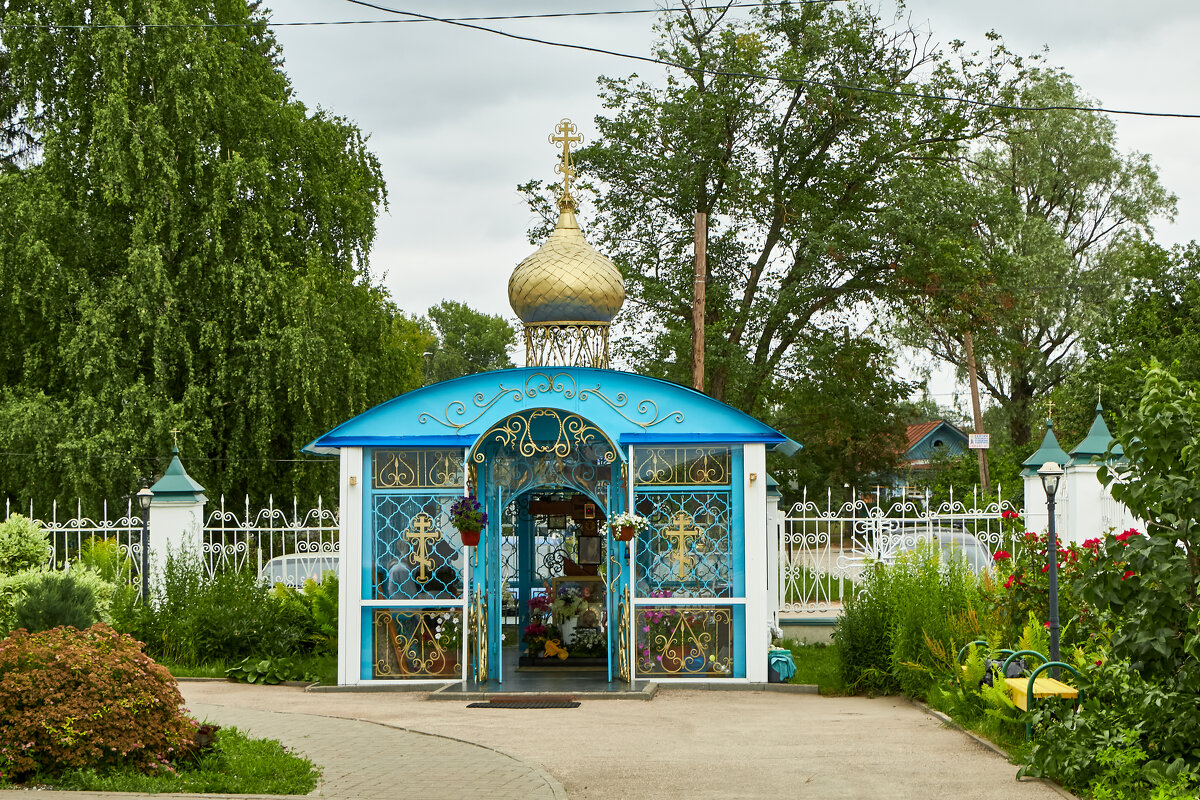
{"x":417,"y":469}
{"x":675,"y":465}
{"x":644,"y":413}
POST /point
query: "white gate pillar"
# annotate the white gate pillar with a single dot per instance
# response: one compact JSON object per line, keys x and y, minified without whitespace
{"x":176,"y":515}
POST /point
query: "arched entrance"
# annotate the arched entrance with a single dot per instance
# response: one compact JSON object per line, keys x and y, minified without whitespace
{"x":549,"y":480}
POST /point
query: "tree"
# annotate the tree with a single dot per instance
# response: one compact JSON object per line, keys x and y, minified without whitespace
{"x":794,"y":175}
{"x":1024,"y":244}
{"x":184,"y":248}
{"x":467,"y":342}
{"x":1158,"y":317}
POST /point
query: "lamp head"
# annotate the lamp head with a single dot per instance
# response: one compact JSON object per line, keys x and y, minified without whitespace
{"x":145,"y":495}
{"x":1050,"y":473}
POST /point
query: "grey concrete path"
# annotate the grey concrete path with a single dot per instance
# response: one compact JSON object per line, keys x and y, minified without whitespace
{"x":682,"y":744}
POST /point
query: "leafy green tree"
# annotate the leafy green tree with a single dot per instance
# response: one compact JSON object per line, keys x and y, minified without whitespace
{"x":1158,"y":317}
{"x":184,"y":248}
{"x":467,"y":342}
{"x":793,"y":174}
{"x":1024,"y":245}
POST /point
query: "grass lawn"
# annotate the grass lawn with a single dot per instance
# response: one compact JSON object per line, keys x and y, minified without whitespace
{"x":236,"y":765}
{"x":817,"y":663}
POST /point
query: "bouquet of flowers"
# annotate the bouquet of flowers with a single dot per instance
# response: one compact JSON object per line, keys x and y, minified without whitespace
{"x":628,"y":519}
{"x":467,"y":514}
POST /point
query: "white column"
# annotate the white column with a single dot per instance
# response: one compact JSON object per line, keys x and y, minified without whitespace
{"x":350,"y":567}
{"x":758,"y":606}
{"x":176,"y":526}
{"x":1085,"y":502}
{"x":774,"y":536}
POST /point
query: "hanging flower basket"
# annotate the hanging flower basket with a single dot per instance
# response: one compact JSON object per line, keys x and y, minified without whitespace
{"x":467,"y":515}
{"x":625,"y":526}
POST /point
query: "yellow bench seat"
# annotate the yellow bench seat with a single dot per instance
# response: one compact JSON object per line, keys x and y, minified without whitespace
{"x":1018,"y":688}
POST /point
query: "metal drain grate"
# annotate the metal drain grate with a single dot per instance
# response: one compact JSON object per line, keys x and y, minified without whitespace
{"x":527,"y":702}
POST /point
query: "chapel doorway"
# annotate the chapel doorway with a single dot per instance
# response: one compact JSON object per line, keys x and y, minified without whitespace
{"x":552,"y":479}
{"x":554,"y":575}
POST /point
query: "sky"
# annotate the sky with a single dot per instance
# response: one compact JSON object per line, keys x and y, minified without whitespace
{"x":458,"y":118}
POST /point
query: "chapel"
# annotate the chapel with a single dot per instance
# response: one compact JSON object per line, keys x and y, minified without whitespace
{"x":558,"y":454}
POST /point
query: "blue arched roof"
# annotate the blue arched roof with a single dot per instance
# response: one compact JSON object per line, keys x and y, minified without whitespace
{"x":629,"y":408}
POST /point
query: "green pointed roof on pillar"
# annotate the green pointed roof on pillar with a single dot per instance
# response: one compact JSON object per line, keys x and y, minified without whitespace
{"x":1049,"y":451}
{"x":1096,"y":442}
{"x":176,"y":485}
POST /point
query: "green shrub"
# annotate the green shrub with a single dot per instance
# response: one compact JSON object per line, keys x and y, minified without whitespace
{"x":90,"y":698}
{"x":53,"y":599}
{"x":268,"y":671}
{"x":106,"y":558}
{"x":319,"y":603}
{"x":905,"y":615}
{"x":14,"y":588}
{"x":231,"y":616}
{"x":23,"y":545}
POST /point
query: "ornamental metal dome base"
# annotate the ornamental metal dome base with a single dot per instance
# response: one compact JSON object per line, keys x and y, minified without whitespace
{"x":566,"y":344}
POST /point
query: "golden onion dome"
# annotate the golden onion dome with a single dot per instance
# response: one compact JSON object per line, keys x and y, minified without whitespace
{"x":566,"y":280}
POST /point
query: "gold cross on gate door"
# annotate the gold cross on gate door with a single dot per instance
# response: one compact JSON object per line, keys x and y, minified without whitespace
{"x":422,"y":533}
{"x":681,"y":533}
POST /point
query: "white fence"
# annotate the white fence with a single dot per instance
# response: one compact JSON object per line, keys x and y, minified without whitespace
{"x":823,"y":547}
{"x":258,"y":536}
{"x":69,"y":536}
{"x":245,"y":537}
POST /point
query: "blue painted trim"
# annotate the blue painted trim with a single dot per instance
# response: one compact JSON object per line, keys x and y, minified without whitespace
{"x":706,"y":438}
{"x":737,"y":522}
{"x":367,"y":645}
{"x":397,"y":441}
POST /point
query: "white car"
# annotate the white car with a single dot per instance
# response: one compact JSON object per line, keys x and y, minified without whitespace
{"x":295,"y":569}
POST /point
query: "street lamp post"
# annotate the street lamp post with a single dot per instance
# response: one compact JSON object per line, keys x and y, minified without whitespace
{"x":1051,"y":474}
{"x":144,"y":496}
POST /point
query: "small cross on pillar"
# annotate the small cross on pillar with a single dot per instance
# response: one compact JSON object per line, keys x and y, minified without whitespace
{"x":422,"y":533}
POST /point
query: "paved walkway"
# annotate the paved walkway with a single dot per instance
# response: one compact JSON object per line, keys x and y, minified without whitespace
{"x":721,"y":745}
{"x":683,"y":744}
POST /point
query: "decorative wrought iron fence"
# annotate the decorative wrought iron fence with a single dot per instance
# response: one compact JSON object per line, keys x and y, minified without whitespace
{"x":257,"y":537}
{"x":823,"y":548}
{"x":70,"y":536}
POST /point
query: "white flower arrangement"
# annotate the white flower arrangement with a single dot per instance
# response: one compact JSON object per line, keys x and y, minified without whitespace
{"x":628,"y":520}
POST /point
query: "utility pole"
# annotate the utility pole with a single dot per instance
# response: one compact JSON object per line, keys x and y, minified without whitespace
{"x":701,"y":242}
{"x":973,"y":375}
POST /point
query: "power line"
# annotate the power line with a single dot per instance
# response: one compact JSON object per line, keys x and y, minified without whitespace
{"x":495,"y":18}
{"x":776,"y":78}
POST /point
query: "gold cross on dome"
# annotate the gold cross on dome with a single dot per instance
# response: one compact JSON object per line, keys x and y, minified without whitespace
{"x":175,"y":434}
{"x":681,"y":533}
{"x":422,"y":533}
{"x":567,"y":136}
{"x":1050,"y":413}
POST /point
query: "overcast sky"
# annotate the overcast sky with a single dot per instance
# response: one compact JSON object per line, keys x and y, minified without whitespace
{"x":458,"y":117}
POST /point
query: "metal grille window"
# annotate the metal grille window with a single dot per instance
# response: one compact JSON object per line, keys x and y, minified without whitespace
{"x":685,"y":641}
{"x":688,"y":549}
{"x":417,"y":469}
{"x":417,"y":553}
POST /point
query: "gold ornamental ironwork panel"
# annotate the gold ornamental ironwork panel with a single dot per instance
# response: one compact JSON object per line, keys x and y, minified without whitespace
{"x":417,"y":469}
{"x":583,"y":344}
{"x":685,"y":641}
{"x":683,"y":466}
{"x":479,"y":634}
{"x":416,"y":643}
{"x":547,"y":432}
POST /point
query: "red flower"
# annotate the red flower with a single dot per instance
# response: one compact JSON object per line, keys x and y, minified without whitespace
{"x":1098,"y":663}
{"x":1046,"y":623}
{"x":1010,"y":515}
{"x":1011,"y":578}
{"x":1045,"y":567}
{"x":1128,"y":574}
{"x":1001,"y":555}
{"x":1124,"y":538}
{"x":1091,"y":544}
